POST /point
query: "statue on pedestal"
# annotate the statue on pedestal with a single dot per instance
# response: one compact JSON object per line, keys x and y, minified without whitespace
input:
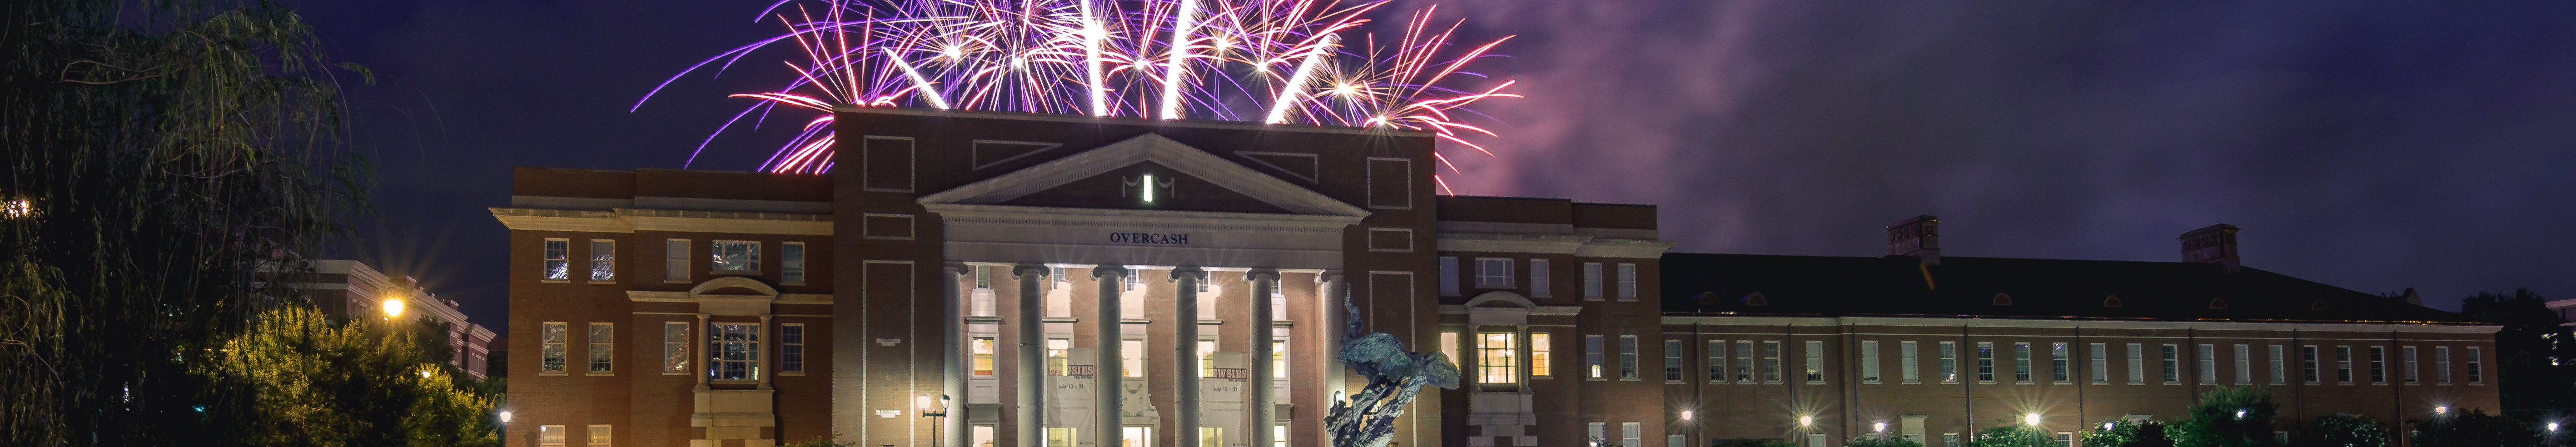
{"x":1367,"y":419}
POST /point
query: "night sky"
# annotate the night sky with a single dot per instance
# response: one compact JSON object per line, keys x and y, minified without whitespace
{"x":2371,"y":145}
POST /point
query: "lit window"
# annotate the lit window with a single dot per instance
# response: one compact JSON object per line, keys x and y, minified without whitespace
{"x":1449,"y":348}
{"x":735,"y":256}
{"x":603,"y":259}
{"x":1538,"y":278}
{"x":1815,"y":362}
{"x":981,"y":349}
{"x":1495,"y":362}
{"x":1131,"y":356}
{"x":1495,"y":273}
{"x":1627,"y":282}
{"x":1538,"y":356}
{"x":550,"y":347}
{"x":550,"y":436}
{"x":1207,"y":358}
{"x":675,"y":260}
{"x":675,"y":347}
{"x":558,"y":259}
{"x":1592,"y":281}
{"x":734,"y":351}
{"x":791,"y":348}
{"x":1630,"y":433}
{"x":1744,"y":362}
{"x":1060,"y":437}
{"x":1059,"y":363}
{"x":602,"y":339}
{"x":1949,"y":362}
{"x":599,"y":435}
{"x":791,"y":262}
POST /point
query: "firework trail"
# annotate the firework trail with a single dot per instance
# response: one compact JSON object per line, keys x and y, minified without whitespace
{"x":1270,"y":61}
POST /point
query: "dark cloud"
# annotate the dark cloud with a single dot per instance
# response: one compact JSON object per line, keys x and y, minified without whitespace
{"x":2370,"y":145}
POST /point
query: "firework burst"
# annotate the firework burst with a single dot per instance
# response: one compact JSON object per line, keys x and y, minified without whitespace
{"x":1269,"y":61}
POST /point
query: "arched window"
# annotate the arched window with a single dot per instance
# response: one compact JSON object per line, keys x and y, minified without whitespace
{"x":2003,"y":300}
{"x":2111,"y":301}
{"x":2218,"y":303}
{"x":1756,"y":299}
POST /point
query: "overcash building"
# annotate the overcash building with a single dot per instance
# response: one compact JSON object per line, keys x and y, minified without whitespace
{"x":1001,"y":279}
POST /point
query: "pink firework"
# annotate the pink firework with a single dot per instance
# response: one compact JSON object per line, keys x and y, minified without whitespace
{"x":1268,"y":61}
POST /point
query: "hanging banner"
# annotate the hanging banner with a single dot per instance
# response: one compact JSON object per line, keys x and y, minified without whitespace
{"x":1136,"y":405}
{"x":1221,"y":399}
{"x":1069,"y":400}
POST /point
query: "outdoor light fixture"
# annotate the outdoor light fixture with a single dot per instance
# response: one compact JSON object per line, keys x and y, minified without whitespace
{"x":1149,"y":188}
{"x":2553,"y":426}
{"x":2443,"y":409}
{"x":1806,"y":421}
{"x":2240,"y":414}
{"x":1878,"y":427}
{"x":505,"y":416}
{"x":393,"y":307}
{"x":2106,"y":426}
{"x":2032,"y":419}
{"x":1686,"y":415}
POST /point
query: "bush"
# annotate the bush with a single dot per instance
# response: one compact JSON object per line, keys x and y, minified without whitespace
{"x":2122,"y":433}
{"x":2342,"y":430}
{"x":1882,"y":441}
{"x":2229,"y":417}
{"x":2015,"y":435}
{"x":1760,"y":442}
{"x":2474,"y":429}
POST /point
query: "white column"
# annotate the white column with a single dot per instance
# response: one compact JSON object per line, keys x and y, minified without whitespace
{"x":952,"y":385}
{"x":701,"y":345}
{"x":1264,"y":413}
{"x":1185,"y":347}
{"x":1109,"y":378}
{"x":763,"y":367}
{"x":1028,"y":375}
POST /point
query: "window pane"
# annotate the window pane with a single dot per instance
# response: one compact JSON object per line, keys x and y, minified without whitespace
{"x":602,"y":337}
{"x":735,"y":256}
{"x":1869,"y":361}
{"x":603,"y":260}
{"x":675,"y":260}
{"x":1909,"y":368}
{"x":1592,"y":356}
{"x":551,"y":350}
{"x":1672,"y":360}
{"x":1493,"y":273}
{"x":2021,"y":362}
{"x":1949,"y":362}
{"x":1771,"y":361}
{"x":675,"y":348}
{"x":1538,"y":278}
{"x":1496,"y":362}
{"x":2059,"y":369}
{"x":1628,"y":357}
{"x":1985,"y":361}
{"x":1627,"y":282}
{"x":1538,"y":355}
{"x":791,"y":260}
{"x":791,"y":348}
{"x":1448,"y":276}
{"x":1592,"y":280}
{"x":735,"y":351}
{"x":558,"y":259}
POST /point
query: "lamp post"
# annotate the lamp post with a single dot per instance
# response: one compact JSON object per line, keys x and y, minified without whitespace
{"x":935,"y":413}
{"x":393,"y":308}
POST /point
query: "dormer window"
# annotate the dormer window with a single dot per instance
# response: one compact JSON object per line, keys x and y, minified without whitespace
{"x":2218,"y":303}
{"x":1148,"y":188}
{"x":2317,"y":305}
{"x":2003,"y":300}
{"x":2111,"y":301}
{"x":1756,"y":299}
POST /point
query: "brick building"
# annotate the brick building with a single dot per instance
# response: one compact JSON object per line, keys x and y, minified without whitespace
{"x":346,"y":289}
{"x":1013,"y":262}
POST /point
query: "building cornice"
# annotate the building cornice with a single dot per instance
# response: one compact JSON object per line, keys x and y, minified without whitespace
{"x":629,"y":220}
{"x":2068,"y":323}
{"x":1574,"y":244}
{"x":1049,"y":216}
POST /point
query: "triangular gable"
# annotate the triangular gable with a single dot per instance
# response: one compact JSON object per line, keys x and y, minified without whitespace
{"x":1143,"y":148}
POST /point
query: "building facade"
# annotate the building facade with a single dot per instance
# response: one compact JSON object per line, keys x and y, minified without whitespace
{"x":345,"y":289}
{"x":999,"y":279}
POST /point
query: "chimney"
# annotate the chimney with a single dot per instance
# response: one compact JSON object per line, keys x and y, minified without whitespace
{"x":1919,"y":236}
{"x":2214,"y":244}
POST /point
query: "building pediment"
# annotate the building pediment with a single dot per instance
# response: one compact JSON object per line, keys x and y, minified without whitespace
{"x":1116,"y":171}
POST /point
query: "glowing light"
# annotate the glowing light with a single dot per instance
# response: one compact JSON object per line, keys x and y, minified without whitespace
{"x":2031,"y":419}
{"x":393,"y":307}
{"x":2444,"y":409}
{"x":1686,"y":415}
{"x":17,"y":208}
{"x":1179,"y":65}
{"x":1148,"y":187}
{"x":2106,"y":426}
{"x":424,"y":373}
{"x":1806,"y":421}
{"x":919,"y":85}
{"x":2553,"y":426}
{"x":505,"y":416}
{"x":922,"y":401}
{"x":2240,"y":414}
{"x":1880,"y":427}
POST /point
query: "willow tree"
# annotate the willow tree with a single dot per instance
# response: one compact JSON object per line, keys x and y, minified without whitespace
{"x":166,"y":158}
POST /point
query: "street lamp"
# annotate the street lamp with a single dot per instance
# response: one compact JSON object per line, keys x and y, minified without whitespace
{"x":393,"y":308}
{"x":2031,"y":419}
{"x":1686,"y":415}
{"x":935,"y":413}
{"x":1806,"y":421}
{"x":505,"y":416}
{"x":2443,"y":409}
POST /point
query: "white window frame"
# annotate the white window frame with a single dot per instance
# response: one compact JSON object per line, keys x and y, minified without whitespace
{"x":1716,"y":366}
{"x":675,"y":348}
{"x":1985,"y":362}
{"x":675,"y":261}
{"x":2137,"y":364}
{"x":2343,"y":365}
{"x":1771,"y":367}
{"x":550,"y":436}
{"x":2378,"y":358}
{"x":716,"y":251}
{"x":1538,"y":286}
{"x":603,"y":262}
{"x":2208,"y":364}
{"x":1744,"y":362}
{"x":1494,"y":273}
{"x":1909,"y":366}
{"x":2244,"y":364}
{"x":2442,"y":365}
{"x":1949,"y":361}
{"x":718,"y":349}
{"x":1673,"y":365}
{"x":2309,"y":366}
{"x":2023,"y":372}
{"x":2061,"y":363}
{"x":2101,"y":363}
{"x":2280,"y":364}
{"x":1627,"y":282}
{"x":1592,"y":281}
{"x":791,"y":263}
{"x":1815,"y":362}
{"x":1592,"y":357}
{"x":599,"y":435}
{"x":601,"y":339}
{"x":2477,"y":365}
{"x":558,"y":260}
{"x":554,"y":355}
{"x":1628,"y":357}
{"x":1869,"y":361}
{"x":2413,"y":374}
{"x":1539,"y":357}
{"x":2172,"y":360}
{"x":791,"y":350}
